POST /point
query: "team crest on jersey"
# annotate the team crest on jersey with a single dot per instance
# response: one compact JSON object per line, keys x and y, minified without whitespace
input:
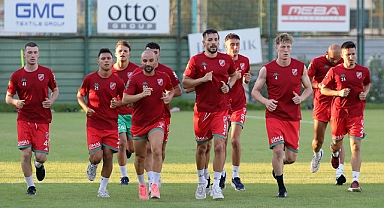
{"x":242,"y":66}
{"x":112,"y":85}
{"x":294,"y":72}
{"x":359,"y":75}
{"x":40,"y":77}
{"x":129,"y":74}
{"x":222,"y":62}
{"x":160,"y":81}
{"x":275,"y":75}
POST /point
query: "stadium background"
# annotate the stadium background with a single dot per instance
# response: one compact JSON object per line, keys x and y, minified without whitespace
{"x":72,"y":56}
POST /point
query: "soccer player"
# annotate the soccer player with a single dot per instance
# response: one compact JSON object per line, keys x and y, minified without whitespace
{"x":148,"y":90}
{"x":349,"y":83}
{"x":284,"y":78}
{"x":167,"y":118}
{"x":31,"y":83}
{"x":208,"y":73}
{"x":317,"y":70}
{"x":102,"y":89}
{"x":238,"y":108}
{"x":124,"y":68}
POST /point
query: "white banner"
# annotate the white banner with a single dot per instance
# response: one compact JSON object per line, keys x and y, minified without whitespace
{"x":52,"y":16}
{"x":250,"y":43}
{"x":313,"y":16}
{"x":136,"y":16}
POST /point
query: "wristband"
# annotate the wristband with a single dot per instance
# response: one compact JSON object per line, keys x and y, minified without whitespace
{"x":229,"y":86}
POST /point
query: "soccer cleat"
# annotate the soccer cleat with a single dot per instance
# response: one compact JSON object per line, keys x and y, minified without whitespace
{"x":335,"y":160}
{"x":236,"y":183}
{"x":282,"y":193}
{"x":201,"y":190}
{"x":222,"y":181}
{"x":155,"y":192}
{"x":208,"y":188}
{"x":315,"y":163}
{"x":128,"y":153}
{"x":216,"y":192}
{"x":355,"y":187}
{"x":124,"y":180}
{"x":103,"y":193}
{"x":143,"y":194}
{"x":31,"y":191}
{"x":40,"y":173}
{"x":340,"y":180}
{"x":91,"y":171}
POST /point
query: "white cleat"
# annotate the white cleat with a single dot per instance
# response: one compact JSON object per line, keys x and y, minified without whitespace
{"x":315,"y":163}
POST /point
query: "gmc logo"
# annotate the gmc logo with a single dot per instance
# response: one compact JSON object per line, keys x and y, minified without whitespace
{"x":314,"y":10}
{"x":28,"y":10}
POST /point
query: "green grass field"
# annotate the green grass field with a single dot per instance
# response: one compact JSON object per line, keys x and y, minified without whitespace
{"x":66,"y":184}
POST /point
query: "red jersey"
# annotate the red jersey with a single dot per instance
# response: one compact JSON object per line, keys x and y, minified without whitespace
{"x":209,"y":97}
{"x":32,"y":87}
{"x":317,"y":69}
{"x":355,"y":79}
{"x":237,"y":94}
{"x":150,"y":109}
{"x":100,"y":92}
{"x":281,"y":83}
{"x":124,"y":75}
{"x":174,"y":80}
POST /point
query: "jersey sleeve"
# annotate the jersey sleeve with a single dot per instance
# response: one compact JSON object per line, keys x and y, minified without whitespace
{"x":12,"y":85}
{"x":191,"y":69}
{"x":312,"y":68}
{"x":168,"y":82}
{"x":328,"y":80}
{"x":367,"y":79}
{"x":52,"y":81}
{"x":84,"y":88}
{"x":232,"y":66}
{"x":130,"y":87}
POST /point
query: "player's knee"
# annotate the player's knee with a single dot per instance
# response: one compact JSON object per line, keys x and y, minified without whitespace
{"x":235,"y":143}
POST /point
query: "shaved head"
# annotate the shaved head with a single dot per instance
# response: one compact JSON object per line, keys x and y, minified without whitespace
{"x":333,"y":54}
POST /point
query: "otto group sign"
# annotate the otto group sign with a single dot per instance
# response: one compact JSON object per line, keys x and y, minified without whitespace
{"x":137,"y":16}
{"x":313,"y":16}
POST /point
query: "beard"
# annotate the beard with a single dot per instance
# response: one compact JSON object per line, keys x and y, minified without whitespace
{"x":212,"y":50}
{"x":149,"y":69}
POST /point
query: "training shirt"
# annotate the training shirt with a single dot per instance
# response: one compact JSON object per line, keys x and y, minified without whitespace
{"x":355,"y":79}
{"x":317,"y":69}
{"x":100,"y":92}
{"x":281,"y":83}
{"x":209,"y":97}
{"x":150,"y":109}
{"x":32,"y":87}
{"x":237,"y":94}
{"x":124,"y":75}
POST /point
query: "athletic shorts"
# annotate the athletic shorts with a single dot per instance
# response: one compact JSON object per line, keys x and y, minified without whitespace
{"x":283,"y":132}
{"x":166,"y":132}
{"x":353,"y":126}
{"x":97,"y":138}
{"x":322,"y":113}
{"x":238,"y":116}
{"x":208,"y":125}
{"x":124,"y":123}
{"x":142,"y":133}
{"x":33,"y":135}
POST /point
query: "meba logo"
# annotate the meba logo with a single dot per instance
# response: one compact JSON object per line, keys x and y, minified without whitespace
{"x":28,"y":10}
{"x":314,"y":10}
